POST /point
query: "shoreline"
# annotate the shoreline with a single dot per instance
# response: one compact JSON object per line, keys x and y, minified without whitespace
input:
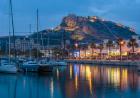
{"x":110,"y":63}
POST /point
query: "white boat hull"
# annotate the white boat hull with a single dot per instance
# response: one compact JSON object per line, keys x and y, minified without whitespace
{"x":8,"y":69}
{"x":57,"y":63}
{"x":30,"y":66}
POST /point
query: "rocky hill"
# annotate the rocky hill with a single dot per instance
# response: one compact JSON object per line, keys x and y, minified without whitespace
{"x":88,"y":29}
{"x":84,"y":29}
{"x":94,"y":27}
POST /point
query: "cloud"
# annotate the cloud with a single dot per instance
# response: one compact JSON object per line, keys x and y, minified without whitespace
{"x":98,"y":11}
{"x":137,"y":1}
{"x":122,"y":11}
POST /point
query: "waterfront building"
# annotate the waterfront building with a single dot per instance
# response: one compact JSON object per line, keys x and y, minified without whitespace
{"x":105,"y":52}
{"x":24,"y":44}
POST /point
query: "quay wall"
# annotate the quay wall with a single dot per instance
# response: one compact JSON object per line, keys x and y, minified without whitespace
{"x":101,"y":62}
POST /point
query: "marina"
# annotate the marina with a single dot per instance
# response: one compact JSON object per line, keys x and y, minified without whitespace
{"x":41,"y":66}
{"x":69,"y":49}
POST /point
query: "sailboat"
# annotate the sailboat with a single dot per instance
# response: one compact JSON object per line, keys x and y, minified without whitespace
{"x":31,"y":65}
{"x":7,"y":66}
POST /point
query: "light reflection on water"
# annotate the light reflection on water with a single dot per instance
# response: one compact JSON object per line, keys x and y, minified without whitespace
{"x":74,"y":81}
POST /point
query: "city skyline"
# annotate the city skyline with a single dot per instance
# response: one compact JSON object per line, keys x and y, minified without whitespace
{"x":25,"y":12}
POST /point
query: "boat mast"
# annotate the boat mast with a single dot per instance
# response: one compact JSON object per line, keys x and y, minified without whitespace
{"x":13,"y":30}
{"x":37,"y":33}
{"x":42,"y":43}
{"x":30,"y":41}
{"x":48,"y":46}
{"x":9,"y":23}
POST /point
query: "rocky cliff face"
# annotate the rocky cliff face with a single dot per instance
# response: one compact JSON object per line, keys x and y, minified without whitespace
{"x":83,"y":29}
{"x":86,"y":29}
{"x":94,"y":28}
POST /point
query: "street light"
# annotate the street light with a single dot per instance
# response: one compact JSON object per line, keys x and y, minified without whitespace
{"x":121,"y":42}
{"x":76,"y":45}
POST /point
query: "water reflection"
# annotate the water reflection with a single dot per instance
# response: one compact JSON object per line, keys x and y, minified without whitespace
{"x":96,"y":79}
{"x":74,"y":81}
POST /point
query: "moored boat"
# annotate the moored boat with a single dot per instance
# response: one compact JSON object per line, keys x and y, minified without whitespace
{"x":7,"y":67}
{"x":45,"y":67}
{"x":30,"y":66}
{"x":61,"y":63}
{"x":56,"y":63}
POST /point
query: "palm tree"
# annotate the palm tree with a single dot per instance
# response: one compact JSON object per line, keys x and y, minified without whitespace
{"x":93,"y":46}
{"x":84,"y":47}
{"x":57,"y":52}
{"x":71,"y":48}
{"x":34,"y":53}
{"x":109,"y":45}
{"x":79,"y":49}
{"x":133,"y":43}
{"x":121,"y":43}
{"x":68,"y":47}
{"x":101,"y":47}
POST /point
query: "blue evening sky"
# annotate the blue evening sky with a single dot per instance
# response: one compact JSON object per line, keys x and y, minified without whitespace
{"x":52,"y":11}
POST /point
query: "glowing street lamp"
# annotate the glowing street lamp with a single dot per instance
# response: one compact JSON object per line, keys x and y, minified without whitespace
{"x":76,"y":45}
{"x":121,"y":42}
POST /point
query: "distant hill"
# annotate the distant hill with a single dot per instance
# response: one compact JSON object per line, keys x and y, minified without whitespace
{"x":88,"y":29}
{"x":84,"y":29}
{"x":95,"y":28}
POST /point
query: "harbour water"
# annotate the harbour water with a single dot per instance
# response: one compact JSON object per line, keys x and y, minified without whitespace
{"x":74,"y":81}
